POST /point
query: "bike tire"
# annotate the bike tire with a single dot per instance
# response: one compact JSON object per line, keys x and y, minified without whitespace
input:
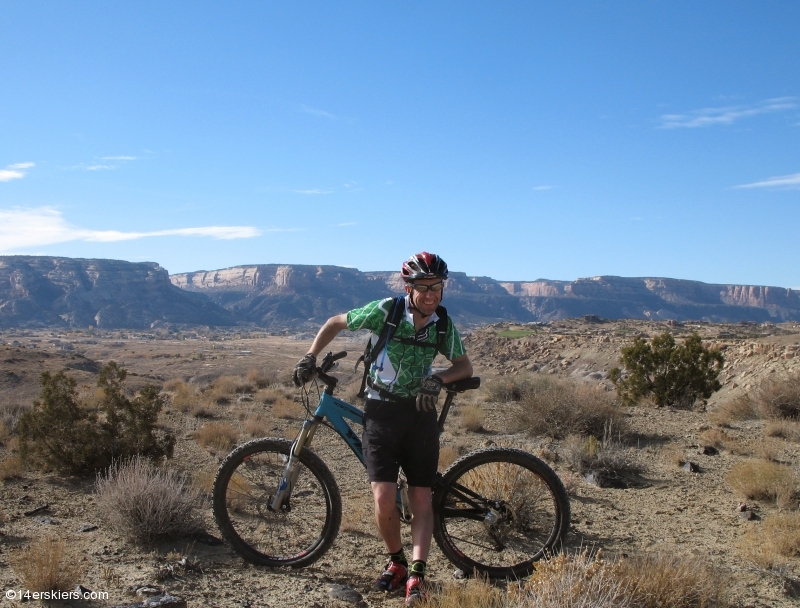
{"x":244,"y":486}
{"x":522,"y":493}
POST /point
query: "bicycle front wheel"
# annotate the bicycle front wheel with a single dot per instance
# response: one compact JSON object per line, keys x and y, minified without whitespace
{"x":499,"y":510}
{"x":296,"y":535}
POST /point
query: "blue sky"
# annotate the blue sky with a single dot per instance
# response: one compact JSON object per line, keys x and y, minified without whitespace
{"x":519,"y":140}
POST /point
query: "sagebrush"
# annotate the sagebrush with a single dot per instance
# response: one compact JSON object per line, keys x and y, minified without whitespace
{"x":61,"y":434}
{"x":143,"y":502}
{"x":48,"y":565}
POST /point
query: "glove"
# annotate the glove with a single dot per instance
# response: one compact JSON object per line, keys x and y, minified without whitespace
{"x":428,"y":394}
{"x":305,"y":370}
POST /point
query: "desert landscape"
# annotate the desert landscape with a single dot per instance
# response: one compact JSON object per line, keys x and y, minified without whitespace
{"x":225,"y":387}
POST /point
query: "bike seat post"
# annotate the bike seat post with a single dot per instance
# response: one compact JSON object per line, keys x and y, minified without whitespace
{"x":445,"y":408}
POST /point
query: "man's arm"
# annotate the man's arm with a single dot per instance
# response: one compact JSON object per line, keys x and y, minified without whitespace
{"x":328,"y":332}
{"x":459,"y":369}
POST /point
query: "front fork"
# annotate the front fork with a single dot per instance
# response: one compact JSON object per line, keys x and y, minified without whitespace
{"x":292,"y":470}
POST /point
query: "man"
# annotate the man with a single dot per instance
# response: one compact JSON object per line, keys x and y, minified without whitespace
{"x":400,"y":413}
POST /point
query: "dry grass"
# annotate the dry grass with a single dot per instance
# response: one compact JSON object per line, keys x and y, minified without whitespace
{"x":273,"y":393}
{"x":203,"y":481}
{"x":763,"y":480}
{"x":447,"y":456}
{"x":11,"y":468}
{"x":223,"y":389}
{"x":5,"y":433}
{"x":558,"y":408}
{"x":48,"y":565}
{"x":184,"y":397}
{"x":738,"y":408}
{"x":786,"y":429}
{"x":143,"y":502}
{"x":471,"y":593}
{"x":779,"y":398}
{"x":173,"y":384}
{"x":217,"y":435}
{"x":774,"y":542}
{"x":656,"y":579}
{"x":257,"y":425}
{"x":508,"y":388}
{"x":607,"y":454}
{"x":472,"y":418}
{"x":358,"y":515}
{"x":259,"y":379}
{"x":769,"y":449}
{"x":288,"y":409}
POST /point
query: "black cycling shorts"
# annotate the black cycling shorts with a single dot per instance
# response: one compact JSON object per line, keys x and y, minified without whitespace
{"x":398,"y":435}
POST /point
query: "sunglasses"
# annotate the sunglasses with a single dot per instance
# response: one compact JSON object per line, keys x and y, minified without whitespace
{"x":423,"y":288}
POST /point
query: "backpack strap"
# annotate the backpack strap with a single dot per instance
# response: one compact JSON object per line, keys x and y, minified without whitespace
{"x":371,"y":352}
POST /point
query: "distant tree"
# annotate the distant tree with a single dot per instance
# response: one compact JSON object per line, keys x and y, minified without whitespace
{"x":59,"y":433}
{"x":674,"y":375}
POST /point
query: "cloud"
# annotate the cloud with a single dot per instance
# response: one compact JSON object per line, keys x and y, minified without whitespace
{"x":347,"y":224}
{"x":783,"y":181}
{"x":119,"y":158}
{"x":542,"y":187}
{"x":23,"y":228}
{"x":99,"y":167}
{"x":314,"y":191}
{"x":726,"y":115}
{"x":316,"y":112}
{"x":14,"y":171}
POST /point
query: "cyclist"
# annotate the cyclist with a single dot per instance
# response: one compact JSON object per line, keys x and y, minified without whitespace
{"x":400,"y":427}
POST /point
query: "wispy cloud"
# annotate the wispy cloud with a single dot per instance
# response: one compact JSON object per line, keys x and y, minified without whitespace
{"x":99,"y":167}
{"x":347,"y":224}
{"x":726,"y":115}
{"x":23,"y":228}
{"x":316,"y":112}
{"x":543,"y":187}
{"x":314,"y":191}
{"x":120,"y":157}
{"x":14,"y":171}
{"x":782,"y":181}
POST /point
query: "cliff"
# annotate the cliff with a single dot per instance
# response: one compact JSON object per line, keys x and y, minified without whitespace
{"x":276,"y":295}
{"x":66,"y":292}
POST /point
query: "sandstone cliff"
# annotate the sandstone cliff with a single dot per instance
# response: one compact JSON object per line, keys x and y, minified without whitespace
{"x":275,"y":295}
{"x":66,"y":292}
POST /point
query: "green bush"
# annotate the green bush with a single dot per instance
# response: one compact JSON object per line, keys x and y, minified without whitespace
{"x":60,"y":433}
{"x":673,"y":375}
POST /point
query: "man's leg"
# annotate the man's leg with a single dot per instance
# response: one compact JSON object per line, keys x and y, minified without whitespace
{"x":421,"y":523}
{"x":386,"y":514}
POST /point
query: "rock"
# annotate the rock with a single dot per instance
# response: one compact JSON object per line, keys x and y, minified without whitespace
{"x":164,"y":601}
{"x":741,"y":507}
{"x":345,"y":593}
{"x":148,"y":591}
{"x":87,"y":528}
{"x":691,"y":467}
{"x":47,"y":520}
{"x":748,"y":515}
{"x":33,"y":512}
{"x":606,"y":479}
{"x":709,"y":450}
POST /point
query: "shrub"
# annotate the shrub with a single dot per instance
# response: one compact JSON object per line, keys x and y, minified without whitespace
{"x":48,"y":565}
{"x":286,"y":408}
{"x":674,"y":375}
{"x":738,"y":408}
{"x":787,"y":429}
{"x":607,"y":454}
{"x":658,"y":579}
{"x":59,"y":433}
{"x":559,"y":408}
{"x":259,"y":379}
{"x":217,"y":435}
{"x":762,"y":480}
{"x":11,"y":468}
{"x":257,"y":426}
{"x":142,"y":502}
{"x":472,"y":418}
{"x":508,"y":388}
{"x":778,"y":399}
{"x":777,"y":538}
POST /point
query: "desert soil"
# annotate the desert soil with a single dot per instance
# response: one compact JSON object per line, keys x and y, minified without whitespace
{"x":671,"y":510}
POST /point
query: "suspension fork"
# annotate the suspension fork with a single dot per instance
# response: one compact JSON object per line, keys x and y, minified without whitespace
{"x":292,"y":470}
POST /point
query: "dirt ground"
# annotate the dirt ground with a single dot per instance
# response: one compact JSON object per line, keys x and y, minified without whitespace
{"x":671,"y":510}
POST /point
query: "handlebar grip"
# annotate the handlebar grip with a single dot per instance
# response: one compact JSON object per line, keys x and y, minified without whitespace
{"x":330,"y":358}
{"x":337,"y":356}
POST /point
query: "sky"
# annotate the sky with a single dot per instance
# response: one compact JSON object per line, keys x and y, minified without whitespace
{"x":518,"y":140}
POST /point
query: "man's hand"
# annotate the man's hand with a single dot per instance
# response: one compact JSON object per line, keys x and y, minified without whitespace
{"x":428,"y":394}
{"x":304,"y":370}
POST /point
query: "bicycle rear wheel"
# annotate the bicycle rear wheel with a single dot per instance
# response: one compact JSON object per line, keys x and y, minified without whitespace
{"x":307,"y":524}
{"x":499,"y":510}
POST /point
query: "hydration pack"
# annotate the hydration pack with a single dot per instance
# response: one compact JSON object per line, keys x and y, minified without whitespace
{"x":373,"y":351}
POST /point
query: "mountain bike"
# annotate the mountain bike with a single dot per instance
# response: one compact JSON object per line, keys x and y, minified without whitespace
{"x":496,"y":510}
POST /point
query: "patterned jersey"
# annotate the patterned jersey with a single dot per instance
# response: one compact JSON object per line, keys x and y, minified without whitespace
{"x":400,"y":368}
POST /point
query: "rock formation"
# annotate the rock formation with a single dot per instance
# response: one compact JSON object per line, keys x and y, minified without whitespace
{"x":46,"y":291}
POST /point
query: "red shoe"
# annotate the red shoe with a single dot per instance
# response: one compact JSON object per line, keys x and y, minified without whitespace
{"x":392,"y":578}
{"x":414,"y":594}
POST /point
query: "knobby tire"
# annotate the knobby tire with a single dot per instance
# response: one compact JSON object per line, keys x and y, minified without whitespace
{"x":527,"y":505}
{"x":296,"y":536}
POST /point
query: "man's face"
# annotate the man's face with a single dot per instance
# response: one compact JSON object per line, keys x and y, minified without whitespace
{"x":429,"y":300}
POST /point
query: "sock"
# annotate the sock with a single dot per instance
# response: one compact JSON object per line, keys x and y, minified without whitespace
{"x":417,"y":568}
{"x":399,"y":557}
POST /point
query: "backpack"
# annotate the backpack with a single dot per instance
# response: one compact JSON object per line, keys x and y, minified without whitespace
{"x":371,"y":352}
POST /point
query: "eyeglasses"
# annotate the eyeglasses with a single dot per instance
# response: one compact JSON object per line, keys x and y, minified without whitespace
{"x":423,"y":288}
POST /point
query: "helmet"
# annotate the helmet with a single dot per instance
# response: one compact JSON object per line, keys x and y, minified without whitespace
{"x":423,"y":265}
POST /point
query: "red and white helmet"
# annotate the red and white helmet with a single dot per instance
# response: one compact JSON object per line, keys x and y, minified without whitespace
{"x":423,"y":265}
